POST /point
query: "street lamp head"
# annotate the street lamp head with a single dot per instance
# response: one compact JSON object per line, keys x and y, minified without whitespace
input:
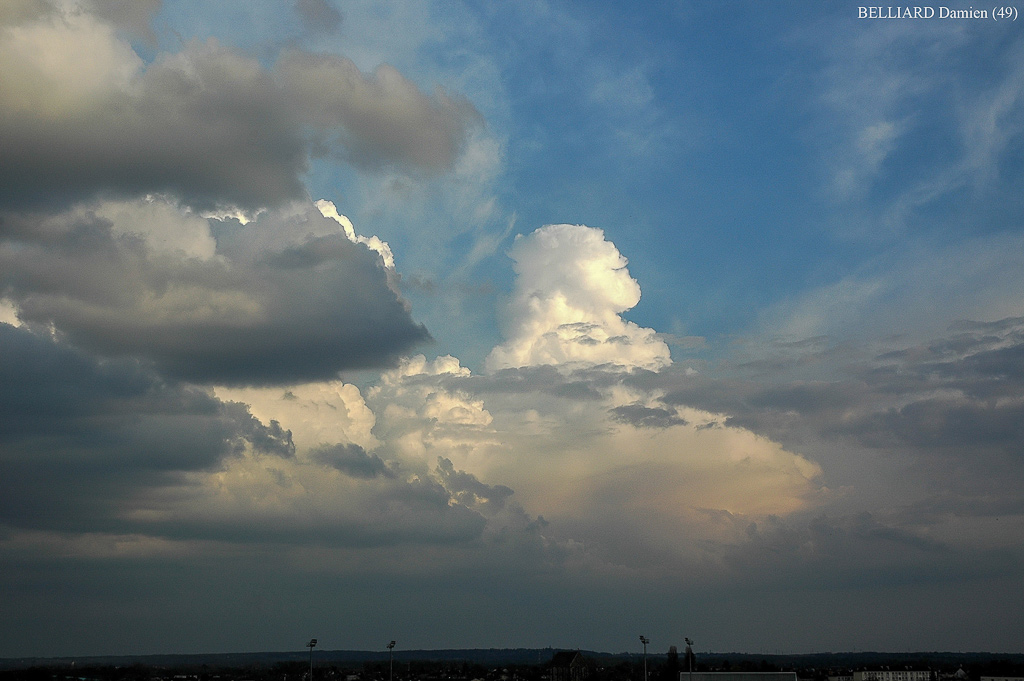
{"x":391,"y":645}
{"x":312,"y":642}
{"x":644,"y":640}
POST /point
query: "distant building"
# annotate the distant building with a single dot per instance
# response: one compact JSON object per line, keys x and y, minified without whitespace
{"x":892,"y":675}
{"x":568,"y":666}
{"x":737,"y":676}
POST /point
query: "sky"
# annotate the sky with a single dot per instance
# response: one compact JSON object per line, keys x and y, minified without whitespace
{"x":509,"y":324}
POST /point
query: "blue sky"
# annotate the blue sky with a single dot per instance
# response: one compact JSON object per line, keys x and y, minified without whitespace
{"x":729,"y":147}
{"x":566,"y":320}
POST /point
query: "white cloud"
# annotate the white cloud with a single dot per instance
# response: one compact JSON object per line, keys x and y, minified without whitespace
{"x":62,"y":64}
{"x":317,"y":414}
{"x":572,"y":286}
{"x":8,"y":312}
{"x":329,"y":210}
{"x":642,"y":492}
{"x":421,"y":419}
{"x":270,"y":498}
{"x":167,"y":229}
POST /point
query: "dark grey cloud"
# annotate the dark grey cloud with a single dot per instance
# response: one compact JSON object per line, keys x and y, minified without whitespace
{"x":389,"y":512}
{"x":319,"y":16}
{"x":582,"y":384}
{"x":646,"y":417}
{"x":353,"y":460}
{"x":983,"y":360}
{"x":210,"y":125}
{"x":18,"y":11}
{"x":377,"y":508}
{"x":976,"y":363}
{"x":378,"y":120}
{"x":85,"y":443}
{"x":268,"y":309}
{"x":859,"y":551}
{"x":134,"y":17}
{"x":467,"y":489}
{"x":959,"y":391}
{"x":955,"y":503}
{"x":79,"y":435}
{"x":270,"y":439}
{"x":952,"y":425}
{"x":947,"y":414}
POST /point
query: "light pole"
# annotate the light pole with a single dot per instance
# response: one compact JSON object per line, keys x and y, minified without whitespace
{"x":311,"y":645}
{"x":689,"y":655}
{"x":391,"y":661}
{"x":645,"y":641}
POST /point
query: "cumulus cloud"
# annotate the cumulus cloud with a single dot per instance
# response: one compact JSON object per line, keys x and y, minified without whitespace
{"x":110,"y":448}
{"x":318,"y":414}
{"x":154,"y":229}
{"x":134,"y":17}
{"x":381,"y":119}
{"x":285,"y":298}
{"x":82,"y":436}
{"x":422,"y":416}
{"x":569,"y":462}
{"x":569,"y":425}
{"x":353,"y":460}
{"x":82,"y":114}
{"x":164,"y":228}
{"x":337,"y":495}
{"x":178,"y":311}
{"x":572,"y":286}
{"x":641,"y":483}
{"x":468,"y":489}
{"x":342,"y":499}
{"x":925,"y":436}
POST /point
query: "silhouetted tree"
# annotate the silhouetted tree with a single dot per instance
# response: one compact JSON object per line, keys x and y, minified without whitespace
{"x":670,"y":672}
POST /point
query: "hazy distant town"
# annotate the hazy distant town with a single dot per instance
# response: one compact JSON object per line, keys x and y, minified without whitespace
{"x":524,"y":665}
